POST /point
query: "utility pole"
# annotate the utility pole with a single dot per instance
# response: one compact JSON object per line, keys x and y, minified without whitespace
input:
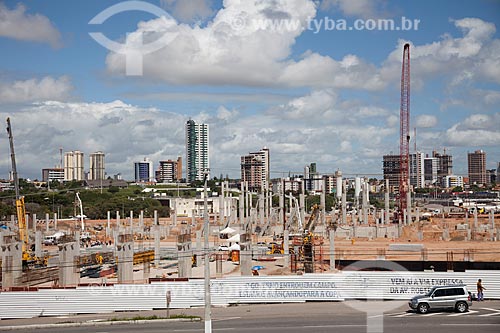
{"x":206,"y":227}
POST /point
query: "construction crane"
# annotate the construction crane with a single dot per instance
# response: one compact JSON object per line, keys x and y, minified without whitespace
{"x":20,"y":207}
{"x":404,"y":138}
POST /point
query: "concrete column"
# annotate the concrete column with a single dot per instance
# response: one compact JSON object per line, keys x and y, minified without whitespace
{"x":417,"y":211}
{"x":35,"y":221}
{"x":11,"y":263}
{"x":474,"y":230}
{"x":286,"y":247}
{"x":141,"y":221}
{"x":198,"y":240}
{"x":302,"y":203}
{"x":492,"y":225}
{"x":109,"y":219}
{"x":387,"y":217}
{"x":382,"y":216}
{"x":38,"y":243}
{"x":125,"y":253}
{"x":47,"y":221}
{"x":174,"y":213}
{"x":69,"y":274}
{"x":155,"y":215}
{"x":221,"y":203}
{"x":322,"y":199}
{"x":193,"y":217}
{"x":332,"y":249}
{"x":184,"y":261}
{"x":55,"y":221}
{"x":408,"y":204}
{"x":132,"y":221}
{"x":118,"y":218}
{"x":365,"y":201}
{"x":281,"y":212}
{"x":156,"y":230}
{"x":242,"y":210}
{"x":344,"y":202}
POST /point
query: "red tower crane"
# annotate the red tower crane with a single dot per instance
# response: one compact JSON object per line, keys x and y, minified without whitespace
{"x":404,"y":138}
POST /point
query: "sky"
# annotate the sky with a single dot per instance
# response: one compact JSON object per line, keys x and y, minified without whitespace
{"x":314,"y":81}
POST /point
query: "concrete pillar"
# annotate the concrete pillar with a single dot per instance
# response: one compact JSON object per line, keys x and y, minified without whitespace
{"x":38,"y":243}
{"x":344,"y":202}
{"x":193,"y":217}
{"x":109,"y":219}
{"x":198,"y":240}
{"x":286,"y":247}
{"x":132,"y":221}
{"x":387,"y":217}
{"x":55,"y":221}
{"x":184,"y":261}
{"x":262,"y":208}
{"x":47,"y":221}
{"x":125,"y":254}
{"x":247,"y":200}
{"x":417,"y":217}
{"x":281,"y":212}
{"x":35,"y":221}
{"x":155,"y":217}
{"x":174,"y":213}
{"x":245,"y":255}
{"x":156,"y":231}
{"x":302,"y":203}
{"x":408,"y":204}
{"x":141,"y":221}
{"x":365,"y":201}
{"x":382,"y":216}
{"x":474,"y":230}
{"x":221,"y":203}
{"x":69,"y":274}
{"x":118,"y":219}
{"x":492,"y":225}
{"x":11,"y":262}
{"x":332,"y":249}
{"x":322,"y":199}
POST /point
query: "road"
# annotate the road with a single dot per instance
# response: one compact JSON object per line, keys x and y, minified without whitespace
{"x":318,"y":317}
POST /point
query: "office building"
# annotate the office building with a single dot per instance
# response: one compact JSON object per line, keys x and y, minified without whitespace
{"x":170,"y":171}
{"x":445,"y":165}
{"x":417,"y":179}
{"x":73,"y":166}
{"x":144,"y":171}
{"x":197,"y":151}
{"x":53,"y":174}
{"x":255,"y":170}
{"x":477,"y":167}
{"x":97,"y":170}
{"x":452,"y":181}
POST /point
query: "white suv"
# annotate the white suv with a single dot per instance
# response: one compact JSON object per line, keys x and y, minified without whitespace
{"x":443,"y":297}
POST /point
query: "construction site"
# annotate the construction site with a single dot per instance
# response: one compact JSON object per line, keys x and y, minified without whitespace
{"x":249,"y":236}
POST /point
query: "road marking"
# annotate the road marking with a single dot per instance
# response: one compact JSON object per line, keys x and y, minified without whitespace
{"x":333,"y":326}
{"x":462,"y":314}
{"x":466,"y":324}
{"x":495,"y":312}
{"x":376,"y":316}
{"x":404,"y":314}
{"x":228,"y":318}
{"x":431,"y":314}
{"x":396,"y":313}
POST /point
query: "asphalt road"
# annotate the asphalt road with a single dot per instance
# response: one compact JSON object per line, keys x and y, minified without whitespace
{"x":319,"y":317}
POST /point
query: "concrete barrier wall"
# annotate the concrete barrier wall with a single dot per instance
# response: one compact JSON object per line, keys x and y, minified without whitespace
{"x":395,"y":285}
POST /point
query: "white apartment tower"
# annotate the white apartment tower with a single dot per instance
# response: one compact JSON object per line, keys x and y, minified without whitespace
{"x":197,"y":151}
{"x":73,"y":165}
{"x":96,"y":171}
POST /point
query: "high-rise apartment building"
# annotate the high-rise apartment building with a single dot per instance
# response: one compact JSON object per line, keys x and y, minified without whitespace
{"x":73,"y":165}
{"x":310,"y":175}
{"x":477,"y":167}
{"x":431,"y":165}
{"x":170,"y":171}
{"x":417,"y":179}
{"x":445,"y":165}
{"x":391,"y":167}
{"x":197,"y":151}
{"x":97,"y":169}
{"x":255,"y":170}
{"x":144,"y":171}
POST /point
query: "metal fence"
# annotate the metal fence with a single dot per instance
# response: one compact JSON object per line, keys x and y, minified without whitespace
{"x":389,"y":285}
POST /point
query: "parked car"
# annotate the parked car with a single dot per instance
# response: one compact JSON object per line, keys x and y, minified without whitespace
{"x":443,"y":297}
{"x":223,"y":248}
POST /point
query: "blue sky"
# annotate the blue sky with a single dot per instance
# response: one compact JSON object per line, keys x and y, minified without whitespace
{"x":330,"y":96}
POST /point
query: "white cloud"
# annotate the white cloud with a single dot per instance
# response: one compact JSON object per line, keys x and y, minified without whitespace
{"x":355,"y":8}
{"x":189,"y":10}
{"x":476,"y":130}
{"x":426,"y":121}
{"x":47,"y":88}
{"x":18,"y":24}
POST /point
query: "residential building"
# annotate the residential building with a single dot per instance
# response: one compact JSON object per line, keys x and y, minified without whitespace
{"x":477,"y":167}
{"x":310,"y":174}
{"x":391,"y":168}
{"x":73,"y":165}
{"x":445,"y":165}
{"x":97,"y":169}
{"x":491,"y":176}
{"x":431,"y":165}
{"x":53,"y":174}
{"x":197,"y":151}
{"x":452,"y":181}
{"x":255,"y":170}
{"x":417,"y":179}
{"x":170,"y":171}
{"x":144,"y":171}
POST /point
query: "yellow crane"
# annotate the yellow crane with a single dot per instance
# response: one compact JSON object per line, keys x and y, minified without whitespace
{"x":20,"y":208}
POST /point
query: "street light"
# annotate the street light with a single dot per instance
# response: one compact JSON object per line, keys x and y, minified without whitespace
{"x":208,"y":310}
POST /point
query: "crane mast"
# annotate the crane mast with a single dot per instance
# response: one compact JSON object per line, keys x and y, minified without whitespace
{"x":404,"y":138}
{"x":20,"y":207}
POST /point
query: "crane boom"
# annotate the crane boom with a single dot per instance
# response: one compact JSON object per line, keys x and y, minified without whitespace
{"x":20,"y":207}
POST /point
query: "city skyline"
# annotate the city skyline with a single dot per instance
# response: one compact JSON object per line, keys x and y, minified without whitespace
{"x":313,"y":93}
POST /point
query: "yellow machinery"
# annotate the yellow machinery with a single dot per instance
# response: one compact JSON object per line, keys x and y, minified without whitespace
{"x":20,"y":208}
